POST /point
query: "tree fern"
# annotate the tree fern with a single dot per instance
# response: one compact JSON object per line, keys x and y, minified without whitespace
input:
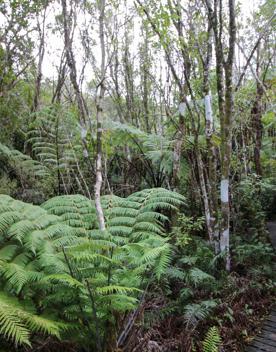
{"x":76,"y":211}
{"x":29,"y":240}
{"x":26,"y":172}
{"x":51,"y":138}
{"x":155,"y":151}
{"x":77,"y":269}
{"x":21,"y":163}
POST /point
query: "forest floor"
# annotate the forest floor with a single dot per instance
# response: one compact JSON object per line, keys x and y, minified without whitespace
{"x":246,"y":302}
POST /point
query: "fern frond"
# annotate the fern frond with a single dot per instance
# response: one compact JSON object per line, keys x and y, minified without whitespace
{"x":212,"y":340}
{"x":58,"y":248}
{"x":116,"y":289}
{"x":197,"y":277}
{"x":196,"y":312}
{"x":23,"y":164}
{"x":17,"y":322}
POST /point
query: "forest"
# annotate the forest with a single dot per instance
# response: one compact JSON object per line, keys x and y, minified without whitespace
{"x":137,"y":174}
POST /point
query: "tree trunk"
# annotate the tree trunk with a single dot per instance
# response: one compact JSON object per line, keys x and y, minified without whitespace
{"x":204,"y":195}
{"x":224,"y":70}
{"x":99,"y":118}
{"x":41,"y":51}
{"x":256,"y":113}
{"x":82,"y":108}
{"x":145,"y":85}
{"x":211,"y":148}
{"x":177,"y":150}
{"x":226,"y":138}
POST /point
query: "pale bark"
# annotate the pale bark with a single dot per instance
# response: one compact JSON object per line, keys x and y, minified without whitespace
{"x":99,"y":118}
{"x":227,"y":137}
{"x":224,"y":69}
{"x":204,"y":195}
{"x":211,"y":148}
{"x":145,"y":81}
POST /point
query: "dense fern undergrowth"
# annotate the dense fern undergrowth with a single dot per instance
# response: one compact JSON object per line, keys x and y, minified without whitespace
{"x":66,"y":284}
{"x":60,"y":274}
{"x":151,"y":281}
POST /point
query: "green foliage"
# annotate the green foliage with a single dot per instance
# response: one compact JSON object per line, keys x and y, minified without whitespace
{"x":250,"y":253}
{"x":187,"y":227}
{"x":198,"y":277}
{"x":196,"y":312}
{"x":75,"y":269}
{"x":12,"y":112}
{"x":75,"y":210}
{"x":249,"y":215}
{"x":7,"y":186}
{"x":212,"y":340}
{"x":18,"y":321}
{"x":23,"y":165}
{"x":55,"y":143}
{"x":57,"y":269}
{"x":153,"y":148}
{"x":22,"y":176}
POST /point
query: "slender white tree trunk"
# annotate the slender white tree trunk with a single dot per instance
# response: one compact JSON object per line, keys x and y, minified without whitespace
{"x":99,"y":117}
